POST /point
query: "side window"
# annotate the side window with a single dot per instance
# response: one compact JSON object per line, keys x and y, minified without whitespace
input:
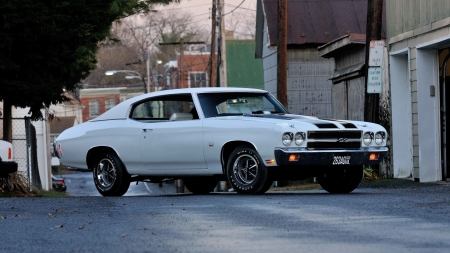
{"x":165,"y":108}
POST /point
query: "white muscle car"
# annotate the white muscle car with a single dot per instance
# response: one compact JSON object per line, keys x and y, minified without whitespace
{"x":205,"y":135}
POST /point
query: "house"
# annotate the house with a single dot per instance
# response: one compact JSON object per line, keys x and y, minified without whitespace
{"x":418,"y":38}
{"x":310,"y":24}
{"x":97,"y":101}
{"x":194,"y":67}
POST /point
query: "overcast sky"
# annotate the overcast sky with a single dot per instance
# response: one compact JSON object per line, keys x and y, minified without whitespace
{"x":201,"y":10}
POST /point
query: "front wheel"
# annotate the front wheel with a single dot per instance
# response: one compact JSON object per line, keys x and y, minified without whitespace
{"x":340,"y":180}
{"x":200,"y":185}
{"x":246,"y":172}
{"x":110,"y":177}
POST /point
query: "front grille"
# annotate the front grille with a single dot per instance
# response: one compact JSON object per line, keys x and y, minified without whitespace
{"x":334,"y":140}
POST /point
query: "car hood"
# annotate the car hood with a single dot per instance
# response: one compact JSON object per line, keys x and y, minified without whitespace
{"x":302,"y":122}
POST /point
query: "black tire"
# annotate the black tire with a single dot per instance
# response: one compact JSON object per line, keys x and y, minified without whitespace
{"x":110,"y":177}
{"x":266,"y":186}
{"x":200,"y":185}
{"x":246,"y":172}
{"x":340,"y":180}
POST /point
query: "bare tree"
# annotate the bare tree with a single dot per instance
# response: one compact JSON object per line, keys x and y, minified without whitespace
{"x":114,"y":57}
{"x":134,"y":36}
{"x":242,"y":24}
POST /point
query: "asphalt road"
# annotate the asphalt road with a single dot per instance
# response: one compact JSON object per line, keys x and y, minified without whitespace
{"x":398,"y":216}
{"x":82,"y":184}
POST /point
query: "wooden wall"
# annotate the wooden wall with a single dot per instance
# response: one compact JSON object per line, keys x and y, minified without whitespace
{"x":407,"y":15}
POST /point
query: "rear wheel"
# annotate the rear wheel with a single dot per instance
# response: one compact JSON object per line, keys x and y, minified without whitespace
{"x":200,"y":185}
{"x":110,"y":177}
{"x":246,"y":172}
{"x":340,"y":180}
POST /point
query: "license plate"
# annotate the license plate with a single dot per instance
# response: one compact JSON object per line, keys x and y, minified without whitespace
{"x":341,"y":159}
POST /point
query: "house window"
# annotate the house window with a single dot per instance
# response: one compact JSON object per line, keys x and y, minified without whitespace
{"x":94,"y":109}
{"x":109,"y":103}
{"x":197,"y":79}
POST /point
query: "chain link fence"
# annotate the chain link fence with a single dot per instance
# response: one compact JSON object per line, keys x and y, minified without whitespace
{"x":25,"y":148}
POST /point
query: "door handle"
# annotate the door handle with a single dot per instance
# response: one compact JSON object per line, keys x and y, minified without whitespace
{"x":147,"y":129}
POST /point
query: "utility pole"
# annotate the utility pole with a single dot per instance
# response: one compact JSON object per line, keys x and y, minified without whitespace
{"x":373,"y":32}
{"x":148,"y":71}
{"x":223,"y":48}
{"x":282,"y":53}
{"x":180,"y":64}
{"x":213,"y":70}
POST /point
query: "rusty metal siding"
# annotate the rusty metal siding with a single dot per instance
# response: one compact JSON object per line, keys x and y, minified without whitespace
{"x":308,"y":87}
{"x":407,"y":15}
{"x":318,"y":21}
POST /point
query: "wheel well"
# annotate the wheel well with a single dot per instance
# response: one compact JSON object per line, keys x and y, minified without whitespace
{"x":95,"y":152}
{"x":228,"y":148}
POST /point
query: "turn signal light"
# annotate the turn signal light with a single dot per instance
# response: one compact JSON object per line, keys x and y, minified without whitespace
{"x":374,"y":156}
{"x":294,"y":158}
{"x":9,"y":154}
{"x":271,"y":161}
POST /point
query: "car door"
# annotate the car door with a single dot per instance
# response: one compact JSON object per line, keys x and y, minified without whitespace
{"x":172,"y":140}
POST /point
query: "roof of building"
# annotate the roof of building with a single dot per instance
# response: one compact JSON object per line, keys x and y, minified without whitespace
{"x":317,"y":21}
{"x":59,"y":124}
{"x":327,"y":50}
{"x":243,"y":70}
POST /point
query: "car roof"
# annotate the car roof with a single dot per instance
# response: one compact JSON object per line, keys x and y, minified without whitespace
{"x":120,"y":111}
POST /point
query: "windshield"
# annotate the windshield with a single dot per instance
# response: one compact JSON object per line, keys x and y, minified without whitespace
{"x":238,"y":103}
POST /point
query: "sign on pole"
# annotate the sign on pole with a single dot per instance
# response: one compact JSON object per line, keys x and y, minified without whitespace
{"x":375,"y":80}
{"x":376,"y":53}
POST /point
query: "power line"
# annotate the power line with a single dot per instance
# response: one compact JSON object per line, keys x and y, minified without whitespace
{"x":234,"y":8}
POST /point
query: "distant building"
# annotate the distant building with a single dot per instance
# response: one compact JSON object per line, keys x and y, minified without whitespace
{"x":243,"y":70}
{"x":97,"y":101}
{"x":310,"y":25}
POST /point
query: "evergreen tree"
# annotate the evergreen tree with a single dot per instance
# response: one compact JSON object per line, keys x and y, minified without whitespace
{"x":48,"y":46}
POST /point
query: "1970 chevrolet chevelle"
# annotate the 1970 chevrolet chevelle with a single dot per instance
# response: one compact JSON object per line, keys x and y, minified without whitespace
{"x":205,"y":135}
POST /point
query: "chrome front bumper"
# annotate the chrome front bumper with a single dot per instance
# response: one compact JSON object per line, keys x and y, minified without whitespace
{"x":362,"y":156}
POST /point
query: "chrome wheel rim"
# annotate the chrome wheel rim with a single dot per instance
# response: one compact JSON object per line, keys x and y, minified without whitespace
{"x":106,"y":173}
{"x":245,"y":169}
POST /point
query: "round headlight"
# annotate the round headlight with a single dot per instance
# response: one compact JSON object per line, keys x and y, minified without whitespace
{"x":299,"y":138}
{"x":287,"y":139}
{"x":367,"y":138}
{"x":379,"y":138}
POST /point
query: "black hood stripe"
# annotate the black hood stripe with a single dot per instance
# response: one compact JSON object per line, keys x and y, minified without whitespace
{"x":319,"y":123}
{"x":344,"y":123}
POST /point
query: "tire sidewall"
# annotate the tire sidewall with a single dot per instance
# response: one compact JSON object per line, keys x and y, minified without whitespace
{"x":116,"y":188}
{"x":261,"y":176}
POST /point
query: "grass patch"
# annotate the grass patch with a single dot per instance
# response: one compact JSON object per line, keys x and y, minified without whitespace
{"x":21,"y":188}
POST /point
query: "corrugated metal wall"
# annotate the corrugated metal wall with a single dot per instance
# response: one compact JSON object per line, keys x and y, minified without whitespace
{"x":308,"y":87}
{"x":406,"y":15}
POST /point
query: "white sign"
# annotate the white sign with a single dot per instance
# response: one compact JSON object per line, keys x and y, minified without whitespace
{"x":376,"y":53}
{"x":375,"y":80}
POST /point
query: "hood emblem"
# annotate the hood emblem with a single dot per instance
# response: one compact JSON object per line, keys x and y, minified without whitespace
{"x":342,"y":140}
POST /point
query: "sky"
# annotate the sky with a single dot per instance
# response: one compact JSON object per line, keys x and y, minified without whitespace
{"x":201,"y":10}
